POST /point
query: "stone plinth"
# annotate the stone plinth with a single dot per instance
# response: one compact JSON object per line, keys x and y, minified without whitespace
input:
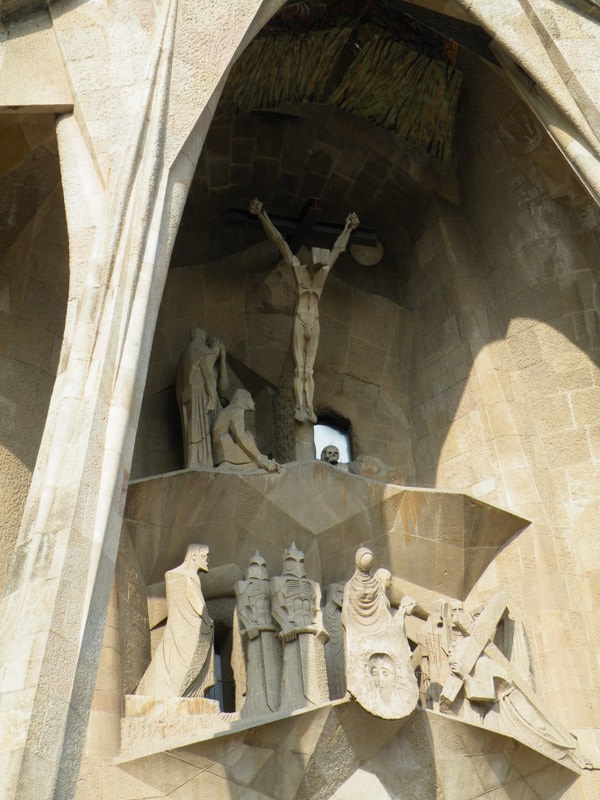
{"x":150,"y":722}
{"x":428,"y":755}
{"x":146,"y":706}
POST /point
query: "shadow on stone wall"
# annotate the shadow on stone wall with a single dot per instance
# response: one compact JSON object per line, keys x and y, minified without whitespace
{"x":34,"y":281}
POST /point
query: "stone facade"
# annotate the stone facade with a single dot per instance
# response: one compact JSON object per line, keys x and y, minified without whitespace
{"x":466,"y":359}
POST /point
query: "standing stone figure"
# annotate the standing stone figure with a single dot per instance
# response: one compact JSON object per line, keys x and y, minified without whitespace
{"x":379,"y":673}
{"x":310,"y":275}
{"x":201,"y":377}
{"x":233,"y":446}
{"x":334,"y":649}
{"x":262,"y":646}
{"x":435,"y":641}
{"x":296,"y":605}
{"x":183,"y":663}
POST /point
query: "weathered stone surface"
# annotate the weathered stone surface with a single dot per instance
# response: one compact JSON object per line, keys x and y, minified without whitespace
{"x":487,"y":385}
{"x":234,"y":448}
{"x":250,"y":306}
{"x":182,"y":664}
{"x":334,"y":647}
{"x":344,"y":749}
{"x":258,"y":673}
{"x":310,"y":280}
{"x":201,"y":381}
{"x":437,"y":540}
{"x":498,"y":695}
{"x":379,"y":673}
{"x":124,"y":187}
{"x":296,"y":605}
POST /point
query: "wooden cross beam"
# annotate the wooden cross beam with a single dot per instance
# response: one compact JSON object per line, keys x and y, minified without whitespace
{"x":297,"y":230}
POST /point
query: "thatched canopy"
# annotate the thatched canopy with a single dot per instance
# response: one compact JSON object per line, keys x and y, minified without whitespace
{"x":365,"y":58}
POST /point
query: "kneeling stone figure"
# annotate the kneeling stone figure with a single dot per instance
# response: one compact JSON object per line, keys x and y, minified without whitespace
{"x":234,"y":447}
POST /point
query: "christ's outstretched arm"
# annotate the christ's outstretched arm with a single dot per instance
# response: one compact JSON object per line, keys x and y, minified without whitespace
{"x":256,"y":208}
{"x":352,"y":222}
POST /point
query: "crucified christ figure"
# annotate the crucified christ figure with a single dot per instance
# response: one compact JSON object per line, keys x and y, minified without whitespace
{"x":310,"y":277}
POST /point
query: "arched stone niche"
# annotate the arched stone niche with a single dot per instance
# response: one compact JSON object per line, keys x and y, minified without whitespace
{"x":238,"y":290}
{"x":468,"y":285}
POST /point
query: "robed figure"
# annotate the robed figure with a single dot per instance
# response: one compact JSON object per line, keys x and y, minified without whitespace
{"x":504,"y":699}
{"x":379,"y":673}
{"x":201,"y":378}
{"x":183,"y":662}
{"x":334,"y":649}
{"x":234,"y":448}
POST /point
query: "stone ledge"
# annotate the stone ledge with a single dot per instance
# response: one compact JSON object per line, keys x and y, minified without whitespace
{"x":442,"y":541}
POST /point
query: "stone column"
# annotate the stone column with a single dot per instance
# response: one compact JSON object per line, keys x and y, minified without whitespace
{"x":536,"y":45}
{"x":304,"y":433}
{"x":104,"y":728}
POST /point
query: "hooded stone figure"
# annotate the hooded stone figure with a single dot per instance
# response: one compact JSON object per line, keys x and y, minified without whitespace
{"x":334,"y":649}
{"x":201,"y":378}
{"x":234,"y":448}
{"x":379,"y":673}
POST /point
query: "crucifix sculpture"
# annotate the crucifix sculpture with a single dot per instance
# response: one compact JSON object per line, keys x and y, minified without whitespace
{"x":310,"y":278}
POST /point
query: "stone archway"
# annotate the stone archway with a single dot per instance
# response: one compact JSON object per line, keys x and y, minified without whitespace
{"x":123,"y":185}
{"x":73,"y":512}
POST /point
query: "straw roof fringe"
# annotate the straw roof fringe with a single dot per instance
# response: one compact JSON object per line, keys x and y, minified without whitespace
{"x":387,"y":83}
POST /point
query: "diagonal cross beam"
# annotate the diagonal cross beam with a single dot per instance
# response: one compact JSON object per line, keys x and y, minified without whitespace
{"x":473,"y":645}
{"x":297,"y":230}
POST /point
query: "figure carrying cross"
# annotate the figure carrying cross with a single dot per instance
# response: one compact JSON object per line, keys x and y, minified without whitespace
{"x":310,"y":277}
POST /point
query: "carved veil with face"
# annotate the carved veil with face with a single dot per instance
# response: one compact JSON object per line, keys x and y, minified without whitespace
{"x":378,"y":667}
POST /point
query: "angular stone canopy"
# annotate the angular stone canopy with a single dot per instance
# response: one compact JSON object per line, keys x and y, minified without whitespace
{"x":442,"y":541}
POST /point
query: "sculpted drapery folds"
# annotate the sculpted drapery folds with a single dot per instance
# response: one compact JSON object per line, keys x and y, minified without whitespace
{"x":310,"y":279}
{"x":183,"y":664}
{"x":201,"y":378}
{"x":334,"y":649}
{"x":431,"y":653}
{"x":495,"y":693}
{"x":233,"y":446}
{"x":379,"y":673}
